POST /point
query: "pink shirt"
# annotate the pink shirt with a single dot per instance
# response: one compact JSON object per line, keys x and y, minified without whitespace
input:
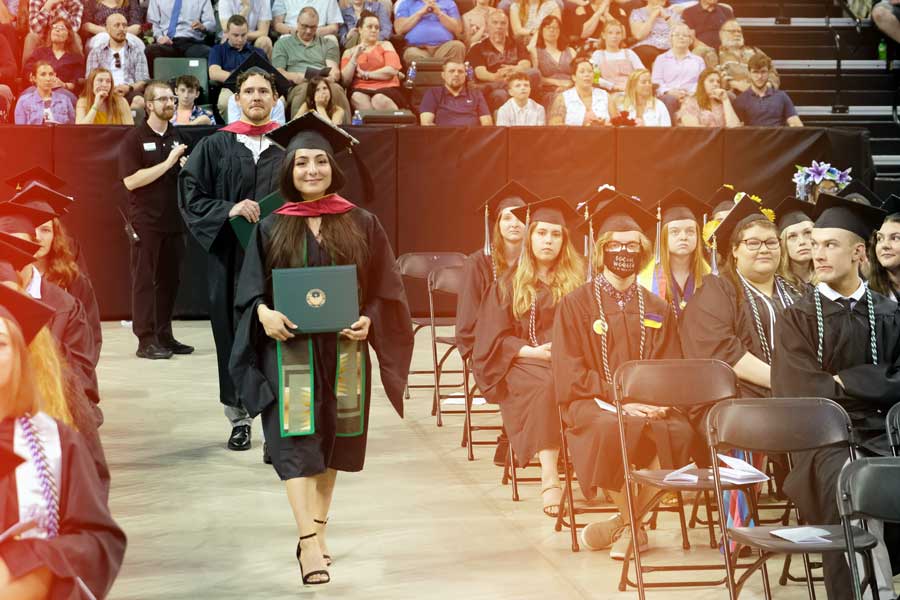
{"x":672,"y":73}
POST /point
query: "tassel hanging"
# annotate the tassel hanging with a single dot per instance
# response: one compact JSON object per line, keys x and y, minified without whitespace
{"x":658,"y":233}
{"x":487,"y":231}
{"x":714,"y":259}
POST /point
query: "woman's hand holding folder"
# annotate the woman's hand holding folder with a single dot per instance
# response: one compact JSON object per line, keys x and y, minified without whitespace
{"x":277,"y":326}
{"x":359,"y":330}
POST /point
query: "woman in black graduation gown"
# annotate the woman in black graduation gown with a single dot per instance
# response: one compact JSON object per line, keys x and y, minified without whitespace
{"x":512,"y":350}
{"x":795,"y":232}
{"x":604,"y":323}
{"x":57,"y":537}
{"x":316,"y":227}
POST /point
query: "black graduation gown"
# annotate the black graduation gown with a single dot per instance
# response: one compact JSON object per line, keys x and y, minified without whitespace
{"x":522,"y":386}
{"x":867,"y":394}
{"x":254,"y":359}
{"x":593,"y":433}
{"x":90,"y":544}
{"x":218,"y":174}
{"x":82,"y":290}
{"x":479,"y":275}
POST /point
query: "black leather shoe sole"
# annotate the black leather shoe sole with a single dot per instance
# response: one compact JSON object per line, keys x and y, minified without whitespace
{"x":181,"y":349}
{"x":153,"y":354}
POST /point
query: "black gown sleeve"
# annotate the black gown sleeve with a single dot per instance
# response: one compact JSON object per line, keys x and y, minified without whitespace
{"x":497,"y":343}
{"x":795,"y":367}
{"x":666,"y":342}
{"x":203,"y":213}
{"x":82,"y":290}
{"x":574,"y":377}
{"x":878,"y":384}
{"x":708,"y":326}
{"x":90,"y":545}
{"x":475,"y":286}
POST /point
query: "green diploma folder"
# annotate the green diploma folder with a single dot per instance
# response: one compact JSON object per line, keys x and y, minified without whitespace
{"x":317,"y":299}
{"x":243,"y":228}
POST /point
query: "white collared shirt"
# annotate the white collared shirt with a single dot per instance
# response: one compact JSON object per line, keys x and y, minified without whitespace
{"x":34,"y":287}
{"x":832,"y":295}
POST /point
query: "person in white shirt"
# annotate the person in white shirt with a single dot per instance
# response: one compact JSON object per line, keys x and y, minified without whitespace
{"x":639,"y":102}
{"x":520,"y":109}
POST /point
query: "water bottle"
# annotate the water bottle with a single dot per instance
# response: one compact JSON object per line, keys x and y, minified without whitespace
{"x":357,"y":118}
{"x":410,"y":76}
{"x":470,"y":73}
{"x":882,"y":50}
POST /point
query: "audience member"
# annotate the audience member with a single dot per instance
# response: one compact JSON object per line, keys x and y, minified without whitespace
{"x":706,"y":19}
{"x":454,"y":103}
{"x":294,"y":54}
{"x":886,"y":15}
{"x":675,"y":71}
{"x":42,"y":103}
{"x":59,"y":50}
{"x":370,"y":69}
{"x":97,"y":12}
{"x":762,"y":105}
{"x":258,"y":15}
{"x":349,"y":32}
{"x":8,"y":28}
{"x":520,"y":109}
{"x":651,"y":26}
{"x":228,"y":56}
{"x":124,"y":58}
{"x":709,"y":106}
{"x":526,"y":15}
{"x":584,"y":19}
{"x":582,"y":105}
{"x":187,"y":112}
{"x":497,"y":57}
{"x":180,"y":28}
{"x":613,"y":62}
{"x":551,"y":57}
{"x":100,"y":104}
{"x":430,"y":28}
{"x":278,"y":114}
{"x":328,"y":14}
{"x":639,"y":102}
{"x":318,"y":98}
{"x":7,"y":79}
{"x":43,"y":13}
{"x":475,"y":22}
{"x":732,"y":59}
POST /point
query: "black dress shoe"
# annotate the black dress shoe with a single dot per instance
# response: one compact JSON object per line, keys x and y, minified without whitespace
{"x":267,"y":459}
{"x":177,"y":347}
{"x":239,"y":438}
{"x":153,"y":352}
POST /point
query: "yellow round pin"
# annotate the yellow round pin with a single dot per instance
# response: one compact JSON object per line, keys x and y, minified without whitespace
{"x":599,"y":326}
{"x":682,"y":304}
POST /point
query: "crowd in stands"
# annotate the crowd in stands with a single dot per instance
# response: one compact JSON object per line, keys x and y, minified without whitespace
{"x":529,"y":62}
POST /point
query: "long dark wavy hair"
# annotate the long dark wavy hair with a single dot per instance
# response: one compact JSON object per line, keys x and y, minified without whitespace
{"x":341,"y":235}
{"x":879,"y":280}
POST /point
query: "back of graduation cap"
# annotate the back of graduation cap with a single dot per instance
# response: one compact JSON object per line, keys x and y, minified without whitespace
{"x":891,"y":206}
{"x":29,"y":314}
{"x":858,"y":192}
{"x":721,"y":199}
{"x":604,"y":194}
{"x":841,"y":213}
{"x":18,"y":218}
{"x":15,"y":254}
{"x":256,"y":61}
{"x":792,"y":211}
{"x":39,"y":196}
{"x":744,"y":212}
{"x":511,"y":195}
{"x":35,"y":174}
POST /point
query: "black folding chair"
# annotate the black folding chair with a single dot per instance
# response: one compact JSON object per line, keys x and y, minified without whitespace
{"x":680,"y":384}
{"x":448,"y":281}
{"x":893,"y":429}
{"x":868,"y":488}
{"x":777,"y":425}
{"x":414,"y":268}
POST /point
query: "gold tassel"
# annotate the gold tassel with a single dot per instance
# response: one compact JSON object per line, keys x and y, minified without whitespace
{"x":658,"y":233}
{"x":487,"y":231}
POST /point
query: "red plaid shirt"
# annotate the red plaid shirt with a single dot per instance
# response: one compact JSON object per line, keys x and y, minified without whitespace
{"x":68,"y":10}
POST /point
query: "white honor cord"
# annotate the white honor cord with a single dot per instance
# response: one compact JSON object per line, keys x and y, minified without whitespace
{"x":769,"y":307}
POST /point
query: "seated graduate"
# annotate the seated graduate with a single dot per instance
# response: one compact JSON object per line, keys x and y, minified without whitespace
{"x":601,"y":325}
{"x":316,"y":227}
{"x":512,"y":352}
{"x":680,"y":266}
{"x":884,"y":252}
{"x":502,"y":248}
{"x":69,"y":324}
{"x":58,"y":537}
{"x":840,"y":341}
{"x":795,"y":233}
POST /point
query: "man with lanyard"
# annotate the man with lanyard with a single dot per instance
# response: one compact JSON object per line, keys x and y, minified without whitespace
{"x":840,"y":341}
{"x":226,"y":176}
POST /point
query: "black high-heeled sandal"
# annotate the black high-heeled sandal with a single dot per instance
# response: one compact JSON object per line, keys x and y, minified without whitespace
{"x":327,"y":557}
{"x":306,"y":576}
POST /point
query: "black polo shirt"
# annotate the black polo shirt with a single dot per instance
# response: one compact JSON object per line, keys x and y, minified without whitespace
{"x":155,"y":206}
{"x":484,"y":54}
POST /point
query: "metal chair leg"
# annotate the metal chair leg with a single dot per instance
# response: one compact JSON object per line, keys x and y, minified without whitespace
{"x":511,"y":458}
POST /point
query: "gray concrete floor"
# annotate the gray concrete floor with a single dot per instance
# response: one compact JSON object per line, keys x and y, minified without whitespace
{"x":419,"y":522}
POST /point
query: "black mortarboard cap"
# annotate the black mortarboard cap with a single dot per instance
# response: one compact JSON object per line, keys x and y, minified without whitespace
{"x":39,"y":174}
{"x":680,"y":204}
{"x":9,"y":460}
{"x":256,"y":61}
{"x":604,"y":194}
{"x":18,"y":218}
{"x":722,"y":199}
{"x":745,"y":211}
{"x":622,"y":213}
{"x":856,"y":188}
{"x":843,"y":213}
{"x":312,"y":131}
{"x":39,"y":196}
{"x":553,"y":210}
{"x":511,"y":195}
{"x":15,"y":254}
{"x":791,"y":211}
{"x":28,"y":313}
{"x":891,"y":205}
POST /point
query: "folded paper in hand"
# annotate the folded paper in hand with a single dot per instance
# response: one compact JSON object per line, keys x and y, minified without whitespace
{"x":802,"y":535}
{"x":737,"y":471}
{"x":605,"y":405}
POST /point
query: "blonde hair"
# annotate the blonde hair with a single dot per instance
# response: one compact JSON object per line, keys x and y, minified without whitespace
{"x":646,"y":255}
{"x":784,"y":263}
{"x":48,"y":374}
{"x":116,"y":116}
{"x":699,"y":266}
{"x":630,"y":96}
{"x":20,"y":395}
{"x":566,"y":274}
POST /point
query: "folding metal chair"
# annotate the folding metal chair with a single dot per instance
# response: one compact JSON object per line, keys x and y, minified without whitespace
{"x":868,"y":488}
{"x":782,"y":425}
{"x":414,"y":268}
{"x":893,"y":429}
{"x":449,"y":281}
{"x":680,"y":384}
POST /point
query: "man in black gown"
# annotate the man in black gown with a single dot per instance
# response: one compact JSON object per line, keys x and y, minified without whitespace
{"x":224,"y":177}
{"x":856,"y":332}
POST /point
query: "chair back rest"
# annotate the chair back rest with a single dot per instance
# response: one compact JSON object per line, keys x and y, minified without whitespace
{"x":169,"y":69}
{"x":893,"y":428}
{"x":449,"y":280}
{"x":778,"y":424}
{"x":415,"y":268}
{"x":870,"y":488}
{"x":680,"y":383}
